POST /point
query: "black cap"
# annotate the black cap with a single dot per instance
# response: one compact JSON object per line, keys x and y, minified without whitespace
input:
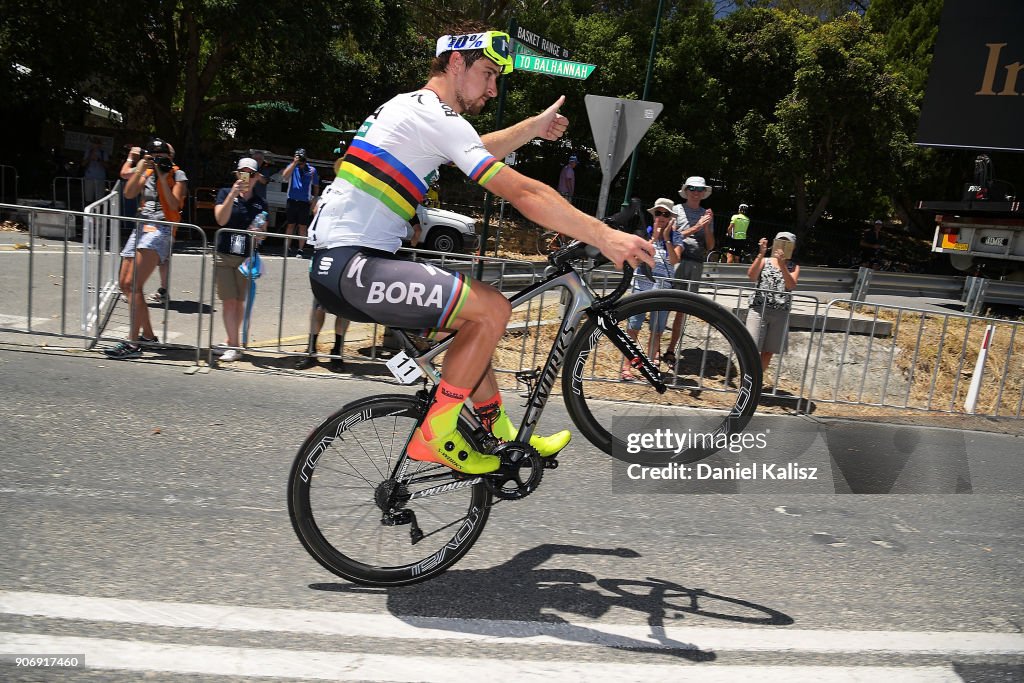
{"x":158,"y":146}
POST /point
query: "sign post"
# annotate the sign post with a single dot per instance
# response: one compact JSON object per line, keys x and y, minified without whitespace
{"x":554,"y":67}
{"x":556,"y":64}
{"x":617,"y":126}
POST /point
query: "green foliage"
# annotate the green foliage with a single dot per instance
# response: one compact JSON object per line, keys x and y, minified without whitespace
{"x":793,"y":106}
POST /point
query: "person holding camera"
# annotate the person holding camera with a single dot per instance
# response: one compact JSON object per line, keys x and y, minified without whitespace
{"x":303,"y":185}
{"x":776,"y":276}
{"x":161,"y":189}
{"x":236,"y":207}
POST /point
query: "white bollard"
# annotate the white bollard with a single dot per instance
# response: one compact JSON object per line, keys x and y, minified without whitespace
{"x":979,"y":370}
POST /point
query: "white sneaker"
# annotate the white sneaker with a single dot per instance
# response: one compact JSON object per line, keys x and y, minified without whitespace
{"x":230,"y":356}
{"x":220,"y":349}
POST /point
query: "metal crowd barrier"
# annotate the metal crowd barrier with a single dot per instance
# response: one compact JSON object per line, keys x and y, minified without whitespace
{"x":844,"y":351}
{"x":924,"y":363}
{"x":95,"y":263}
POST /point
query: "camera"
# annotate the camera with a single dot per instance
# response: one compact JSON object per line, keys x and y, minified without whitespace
{"x":163,"y":163}
{"x":301,"y":154}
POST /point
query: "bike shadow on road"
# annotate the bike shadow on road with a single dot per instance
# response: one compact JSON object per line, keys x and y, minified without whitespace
{"x":520,"y":590}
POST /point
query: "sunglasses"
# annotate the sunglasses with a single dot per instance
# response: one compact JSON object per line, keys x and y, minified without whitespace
{"x":661,"y":214}
{"x":694,"y":188}
{"x":495,"y":45}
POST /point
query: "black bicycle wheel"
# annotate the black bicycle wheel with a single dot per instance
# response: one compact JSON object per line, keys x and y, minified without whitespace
{"x":715,"y":256}
{"x":713,"y":380}
{"x":354,"y":518}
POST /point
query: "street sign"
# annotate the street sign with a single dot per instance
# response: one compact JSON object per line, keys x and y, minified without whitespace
{"x":617,"y":125}
{"x":554,"y":67}
{"x":540,"y":43}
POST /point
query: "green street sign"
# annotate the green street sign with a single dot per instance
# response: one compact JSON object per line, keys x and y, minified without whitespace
{"x":554,"y":67}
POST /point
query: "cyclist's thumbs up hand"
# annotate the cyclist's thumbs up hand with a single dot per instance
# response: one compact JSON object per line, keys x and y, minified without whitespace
{"x":550,"y":124}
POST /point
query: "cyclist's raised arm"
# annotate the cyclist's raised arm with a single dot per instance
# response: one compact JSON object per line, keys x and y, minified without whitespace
{"x":549,"y":124}
{"x":544,"y":206}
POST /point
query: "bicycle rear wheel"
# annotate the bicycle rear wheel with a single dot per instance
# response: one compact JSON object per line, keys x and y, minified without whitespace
{"x":716,"y":256}
{"x":713,"y":383}
{"x":348,"y":510}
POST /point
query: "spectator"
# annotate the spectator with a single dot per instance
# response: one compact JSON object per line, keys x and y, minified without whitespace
{"x":129,"y":206}
{"x":160,"y":185}
{"x":236,"y":207}
{"x":871,"y":246}
{"x":262,"y":176}
{"x":736,"y":235}
{"x":567,"y":179}
{"x":668,"y":248}
{"x":160,"y":296}
{"x":303,"y":185}
{"x":316,"y":323}
{"x":696,"y":226}
{"x":776,"y":276}
{"x":94,"y":175}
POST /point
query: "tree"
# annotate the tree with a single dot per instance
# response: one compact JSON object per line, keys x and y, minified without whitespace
{"x":844,"y":130}
{"x":178,"y":66}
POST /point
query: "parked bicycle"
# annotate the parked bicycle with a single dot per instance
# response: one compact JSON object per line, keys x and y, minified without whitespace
{"x":352,"y":490}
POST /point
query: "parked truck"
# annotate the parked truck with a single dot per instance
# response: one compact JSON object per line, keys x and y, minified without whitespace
{"x":984,"y":231}
{"x":974,"y":101}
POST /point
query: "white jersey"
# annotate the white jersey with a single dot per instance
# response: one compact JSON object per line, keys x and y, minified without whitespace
{"x":388,"y":168}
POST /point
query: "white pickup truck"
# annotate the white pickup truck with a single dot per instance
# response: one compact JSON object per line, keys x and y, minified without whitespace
{"x":440,"y":230}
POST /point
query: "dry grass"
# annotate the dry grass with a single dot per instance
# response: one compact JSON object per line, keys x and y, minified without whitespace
{"x":936,"y":354}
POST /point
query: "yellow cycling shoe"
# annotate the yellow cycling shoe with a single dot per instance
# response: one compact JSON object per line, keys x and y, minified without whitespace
{"x":451,"y":450}
{"x":546,"y":446}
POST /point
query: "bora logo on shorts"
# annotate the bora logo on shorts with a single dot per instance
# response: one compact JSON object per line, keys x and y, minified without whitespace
{"x":405,"y":293}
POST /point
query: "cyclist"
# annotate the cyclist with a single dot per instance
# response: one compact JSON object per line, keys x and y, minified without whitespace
{"x":385,"y":173}
{"x":736,"y":235}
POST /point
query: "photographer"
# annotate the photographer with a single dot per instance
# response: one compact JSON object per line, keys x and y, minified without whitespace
{"x":303,"y":185}
{"x":776,"y":276}
{"x":160,"y":187}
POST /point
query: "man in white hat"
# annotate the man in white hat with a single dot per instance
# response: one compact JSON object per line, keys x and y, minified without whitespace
{"x":696,"y":226}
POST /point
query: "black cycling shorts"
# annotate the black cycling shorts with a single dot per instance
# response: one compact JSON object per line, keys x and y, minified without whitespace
{"x":369,"y":285}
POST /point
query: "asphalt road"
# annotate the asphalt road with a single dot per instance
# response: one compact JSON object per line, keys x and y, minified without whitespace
{"x":143,"y":524}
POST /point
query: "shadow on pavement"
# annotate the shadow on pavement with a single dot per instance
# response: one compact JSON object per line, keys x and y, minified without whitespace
{"x":520,"y":590}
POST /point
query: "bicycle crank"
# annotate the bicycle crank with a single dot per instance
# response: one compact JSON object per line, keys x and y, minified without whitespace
{"x":520,"y":473}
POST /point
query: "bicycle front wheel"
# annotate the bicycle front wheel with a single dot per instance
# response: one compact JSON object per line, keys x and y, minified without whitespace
{"x":358,"y":519}
{"x":713,"y":374}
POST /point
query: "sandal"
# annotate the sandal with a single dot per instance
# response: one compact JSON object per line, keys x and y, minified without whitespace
{"x":668,"y":358}
{"x":627,"y":376}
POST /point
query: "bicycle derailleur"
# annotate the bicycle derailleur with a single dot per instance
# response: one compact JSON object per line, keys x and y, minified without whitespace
{"x":520,"y":473}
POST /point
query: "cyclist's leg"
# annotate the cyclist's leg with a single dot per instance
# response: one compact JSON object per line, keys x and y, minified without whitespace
{"x":378,"y":287}
{"x":490,"y":408}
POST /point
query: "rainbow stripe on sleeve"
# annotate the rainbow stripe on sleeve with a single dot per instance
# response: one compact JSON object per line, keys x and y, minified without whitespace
{"x":486,"y":169}
{"x":381,"y":175}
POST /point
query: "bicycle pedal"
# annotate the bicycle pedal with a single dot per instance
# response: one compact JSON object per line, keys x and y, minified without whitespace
{"x":550,"y":463}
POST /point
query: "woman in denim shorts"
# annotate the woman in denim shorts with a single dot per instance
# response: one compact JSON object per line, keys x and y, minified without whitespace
{"x":160,"y":188}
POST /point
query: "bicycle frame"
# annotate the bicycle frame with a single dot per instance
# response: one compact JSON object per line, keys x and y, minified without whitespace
{"x":583,"y":302}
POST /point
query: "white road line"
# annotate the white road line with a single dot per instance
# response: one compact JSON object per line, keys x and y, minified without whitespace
{"x":355,"y":625}
{"x":105,"y":653}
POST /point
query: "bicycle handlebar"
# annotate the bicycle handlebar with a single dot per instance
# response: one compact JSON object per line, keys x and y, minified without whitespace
{"x":562,"y":259}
